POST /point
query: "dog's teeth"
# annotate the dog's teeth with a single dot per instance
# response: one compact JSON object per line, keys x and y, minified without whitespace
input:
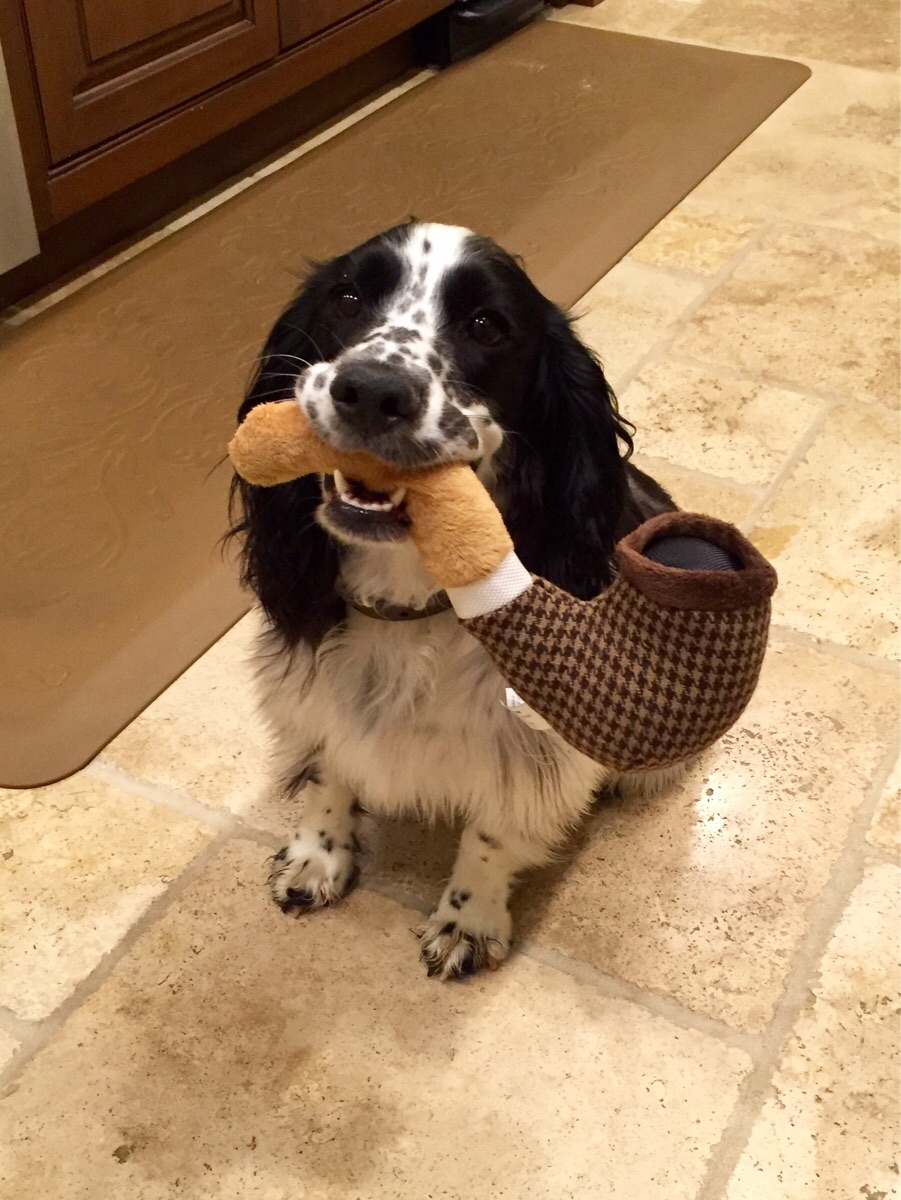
{"x":366,"y":505}
{"x":345,"y":492}
{"x":371,"y":505}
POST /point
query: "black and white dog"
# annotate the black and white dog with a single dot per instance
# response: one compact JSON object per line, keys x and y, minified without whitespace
{"x":426,"y":344}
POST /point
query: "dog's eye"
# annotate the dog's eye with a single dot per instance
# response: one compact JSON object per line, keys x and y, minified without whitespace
{"x":487,"y":329}
{"x":347,"y":302}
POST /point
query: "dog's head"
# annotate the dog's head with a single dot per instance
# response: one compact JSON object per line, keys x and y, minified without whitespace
{"x":430,"y":344}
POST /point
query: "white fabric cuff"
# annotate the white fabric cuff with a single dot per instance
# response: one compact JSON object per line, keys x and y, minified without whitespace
{"x":504,"y":584}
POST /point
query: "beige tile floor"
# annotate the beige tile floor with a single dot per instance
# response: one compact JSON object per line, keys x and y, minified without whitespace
{"x":705,"y":1000}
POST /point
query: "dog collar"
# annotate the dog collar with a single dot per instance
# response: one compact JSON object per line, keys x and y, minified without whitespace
{"x":384,"y":610}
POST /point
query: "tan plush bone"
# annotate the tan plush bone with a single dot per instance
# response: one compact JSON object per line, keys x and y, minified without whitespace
{"x":457,"y":529}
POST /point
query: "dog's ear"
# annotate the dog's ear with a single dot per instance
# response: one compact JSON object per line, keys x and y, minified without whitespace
{"x":287,"y":558}
{"x":291,"y":345}
{"x":564,"y":485}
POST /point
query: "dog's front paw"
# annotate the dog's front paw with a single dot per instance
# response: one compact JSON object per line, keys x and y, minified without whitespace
{"x":313,"y":871}
{"x":455,"y":943}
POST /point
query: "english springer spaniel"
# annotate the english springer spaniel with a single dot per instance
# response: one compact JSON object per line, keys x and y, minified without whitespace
{"x":426,"y":344}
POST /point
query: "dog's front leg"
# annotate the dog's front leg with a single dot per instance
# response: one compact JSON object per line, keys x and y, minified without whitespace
{"x":318,"y":866}
{"x":471,"y":927}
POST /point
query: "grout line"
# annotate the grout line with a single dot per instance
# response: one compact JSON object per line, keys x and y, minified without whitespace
{"x":399,"y":895}
{"x":707,"y":209}
{"x":18,"y":315}
{"x":17,"y":1027}
{"x":659,"y":349}
{"x":802,"y":446}
{"x":824,"y":915}
{"x":221,"y":820}
{"x":880,"y":856}
{"x":41,"y":1032}
{"x":725,"y":371}
{"x":789,"y":222}
{"x":736,"y":485}
{"x":687,"y":274}
{"x":609,"y":985}
{"x":871,"y":662}
{"x":652,"y":1002}
{"x":259,"y":837}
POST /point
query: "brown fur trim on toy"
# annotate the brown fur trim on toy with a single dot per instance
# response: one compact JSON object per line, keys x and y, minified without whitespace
{"x":711,"y":591}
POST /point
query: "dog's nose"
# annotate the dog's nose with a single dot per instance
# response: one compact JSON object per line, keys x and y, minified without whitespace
{"x":374,"y":398}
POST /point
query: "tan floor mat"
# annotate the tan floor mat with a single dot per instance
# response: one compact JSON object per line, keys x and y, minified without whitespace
{"x":564,"y":143}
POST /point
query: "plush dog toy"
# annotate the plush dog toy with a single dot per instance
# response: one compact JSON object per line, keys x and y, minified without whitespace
{"x":651,"y":672}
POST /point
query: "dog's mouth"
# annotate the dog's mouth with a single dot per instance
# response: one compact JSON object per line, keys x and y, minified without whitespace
{"x":353,"y":510}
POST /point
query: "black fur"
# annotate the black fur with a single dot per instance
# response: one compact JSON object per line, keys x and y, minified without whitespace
{"x":565,"y":477}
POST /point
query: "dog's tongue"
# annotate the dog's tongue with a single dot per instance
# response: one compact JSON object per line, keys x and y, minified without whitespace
{"x":361,"y":492}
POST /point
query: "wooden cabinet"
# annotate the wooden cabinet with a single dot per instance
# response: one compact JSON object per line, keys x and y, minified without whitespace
{"x":126,"y":109}
{"x":106,"y":66}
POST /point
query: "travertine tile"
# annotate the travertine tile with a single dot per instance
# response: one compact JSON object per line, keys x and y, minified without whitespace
{"x":235,"y":1053}
{"x":691,"y":239}
{"x":8,"y":1047}
{"x":832,"y":533}
{"x":648,"y":18}
{"x":695,"y":492}
{"x":632,"y":307}
{"x":702,"y":892}
{"x":812,"y":307}
{"x":828,"y":156}
{"x":727,"y":427}
{"x":860,"y":35}
{"x":203,"y":736}
{"x":82,"y":861}
{"x":885,"y":830}
{"x":830,"y":1131}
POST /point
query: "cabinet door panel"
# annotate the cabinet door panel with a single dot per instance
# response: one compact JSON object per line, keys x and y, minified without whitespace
{"x":301,"y":19}
{"x":108,"y":30}
{"x":105,"y":66}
